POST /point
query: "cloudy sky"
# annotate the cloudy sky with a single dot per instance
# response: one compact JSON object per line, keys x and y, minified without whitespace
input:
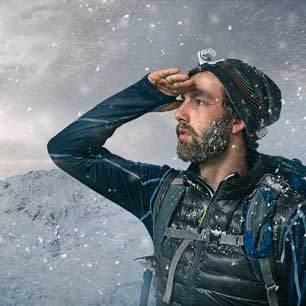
{"x":59,"y":58}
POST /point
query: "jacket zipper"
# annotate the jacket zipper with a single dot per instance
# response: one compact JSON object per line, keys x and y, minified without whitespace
{"x":199,"y":246}
{"x":200,"y":243}
{"x":204,"y":215}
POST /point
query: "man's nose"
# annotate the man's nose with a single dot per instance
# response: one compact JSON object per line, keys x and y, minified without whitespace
{"x":182,"y":112}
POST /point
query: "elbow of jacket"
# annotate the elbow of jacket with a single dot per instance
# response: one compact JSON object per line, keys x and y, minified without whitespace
{"x":53,"y":147}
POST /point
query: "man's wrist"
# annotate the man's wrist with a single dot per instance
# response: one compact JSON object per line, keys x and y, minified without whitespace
{"x":151,"y":89}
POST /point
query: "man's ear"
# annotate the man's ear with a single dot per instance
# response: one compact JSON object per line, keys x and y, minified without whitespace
{"x":237,"y":126}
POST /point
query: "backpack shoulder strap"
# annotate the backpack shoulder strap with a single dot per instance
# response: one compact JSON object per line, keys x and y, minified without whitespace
{"x":161,"y":193}
{"x":259,"y":211}
{"x":293,"y":173}
{"x":150,"y":263}
{"x":164,"y":206}
{"x":288,"y":214}
{"x":269,"y":211}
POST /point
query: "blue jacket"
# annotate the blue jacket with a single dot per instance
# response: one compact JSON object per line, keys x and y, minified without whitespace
{"x":79,"y":150}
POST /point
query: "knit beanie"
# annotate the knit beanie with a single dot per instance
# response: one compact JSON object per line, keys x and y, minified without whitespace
{"x":254,"y":96}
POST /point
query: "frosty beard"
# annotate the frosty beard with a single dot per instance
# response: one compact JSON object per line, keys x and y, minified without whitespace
{"x":213,"y":143}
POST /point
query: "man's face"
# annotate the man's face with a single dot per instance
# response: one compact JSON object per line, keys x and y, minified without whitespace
{"x":204,"y":126}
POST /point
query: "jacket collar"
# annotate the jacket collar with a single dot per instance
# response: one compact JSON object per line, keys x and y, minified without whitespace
{"x":234,"y":186}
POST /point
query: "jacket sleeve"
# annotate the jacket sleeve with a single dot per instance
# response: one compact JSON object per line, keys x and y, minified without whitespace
{"x":79,"y":150}
{"x":295,"y":257}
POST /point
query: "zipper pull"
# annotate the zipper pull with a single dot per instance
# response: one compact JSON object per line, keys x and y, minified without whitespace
{"x":188,"y":182}
{"x":200,"y":227}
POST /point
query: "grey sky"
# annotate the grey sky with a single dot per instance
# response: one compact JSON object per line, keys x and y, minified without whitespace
{"x":59,"y":58}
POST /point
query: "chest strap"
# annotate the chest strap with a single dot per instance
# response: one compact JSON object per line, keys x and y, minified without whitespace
{"x":210,"y":236}
{"x":188,"y":236}
{"x":207,"y":236}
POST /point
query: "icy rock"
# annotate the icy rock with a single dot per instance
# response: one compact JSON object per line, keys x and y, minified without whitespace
{"x":47,"y":217}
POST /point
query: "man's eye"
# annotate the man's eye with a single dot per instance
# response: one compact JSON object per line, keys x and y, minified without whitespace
{"x":199,"y":102}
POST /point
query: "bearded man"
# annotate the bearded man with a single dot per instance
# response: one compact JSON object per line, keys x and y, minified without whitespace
{"x":228,"y":230}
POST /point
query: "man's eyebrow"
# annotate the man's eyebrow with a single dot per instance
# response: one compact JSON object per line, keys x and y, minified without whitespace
{"x":198,"y":92}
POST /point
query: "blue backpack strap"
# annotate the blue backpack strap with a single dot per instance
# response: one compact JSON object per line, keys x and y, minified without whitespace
{"x":287,"y":216}
{"x":258,"y":212}
{"x":290,"y":218}
{"x":267,"y":222}
{"x":150,"y":267}
{"x":145,"y":289}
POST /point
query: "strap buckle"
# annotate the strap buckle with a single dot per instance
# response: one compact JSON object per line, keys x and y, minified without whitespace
{"x":239,"y":241}
{"x":149,"y":263}
{"x":270,"y":288}
{"x":205,"y":235}
{"x":235,"y":240}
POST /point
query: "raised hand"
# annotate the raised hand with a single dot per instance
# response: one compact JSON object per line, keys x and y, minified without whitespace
{"x":172,"y":83}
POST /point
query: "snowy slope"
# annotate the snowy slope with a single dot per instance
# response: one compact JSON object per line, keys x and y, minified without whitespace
{"x":64,"y":244}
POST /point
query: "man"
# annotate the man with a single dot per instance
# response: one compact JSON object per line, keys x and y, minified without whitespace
{"x":200,"y":223}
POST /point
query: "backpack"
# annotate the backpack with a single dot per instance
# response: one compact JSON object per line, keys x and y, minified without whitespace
{"x":264,"y":222}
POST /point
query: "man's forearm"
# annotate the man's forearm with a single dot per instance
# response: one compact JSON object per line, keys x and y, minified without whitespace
{"x":79,"y":151}
{"x":91,"y":130}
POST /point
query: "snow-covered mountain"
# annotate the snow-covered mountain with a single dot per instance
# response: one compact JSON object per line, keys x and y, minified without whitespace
{"x":63,"y":244}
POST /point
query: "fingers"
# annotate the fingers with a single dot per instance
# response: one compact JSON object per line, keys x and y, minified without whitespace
{"x":177,"y":78}
{"x":189,"y":84}
{"x":171,"y":82}
{"x":179,"y":87}
{"x":159,"y":75}
{"x":166,"y":72}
